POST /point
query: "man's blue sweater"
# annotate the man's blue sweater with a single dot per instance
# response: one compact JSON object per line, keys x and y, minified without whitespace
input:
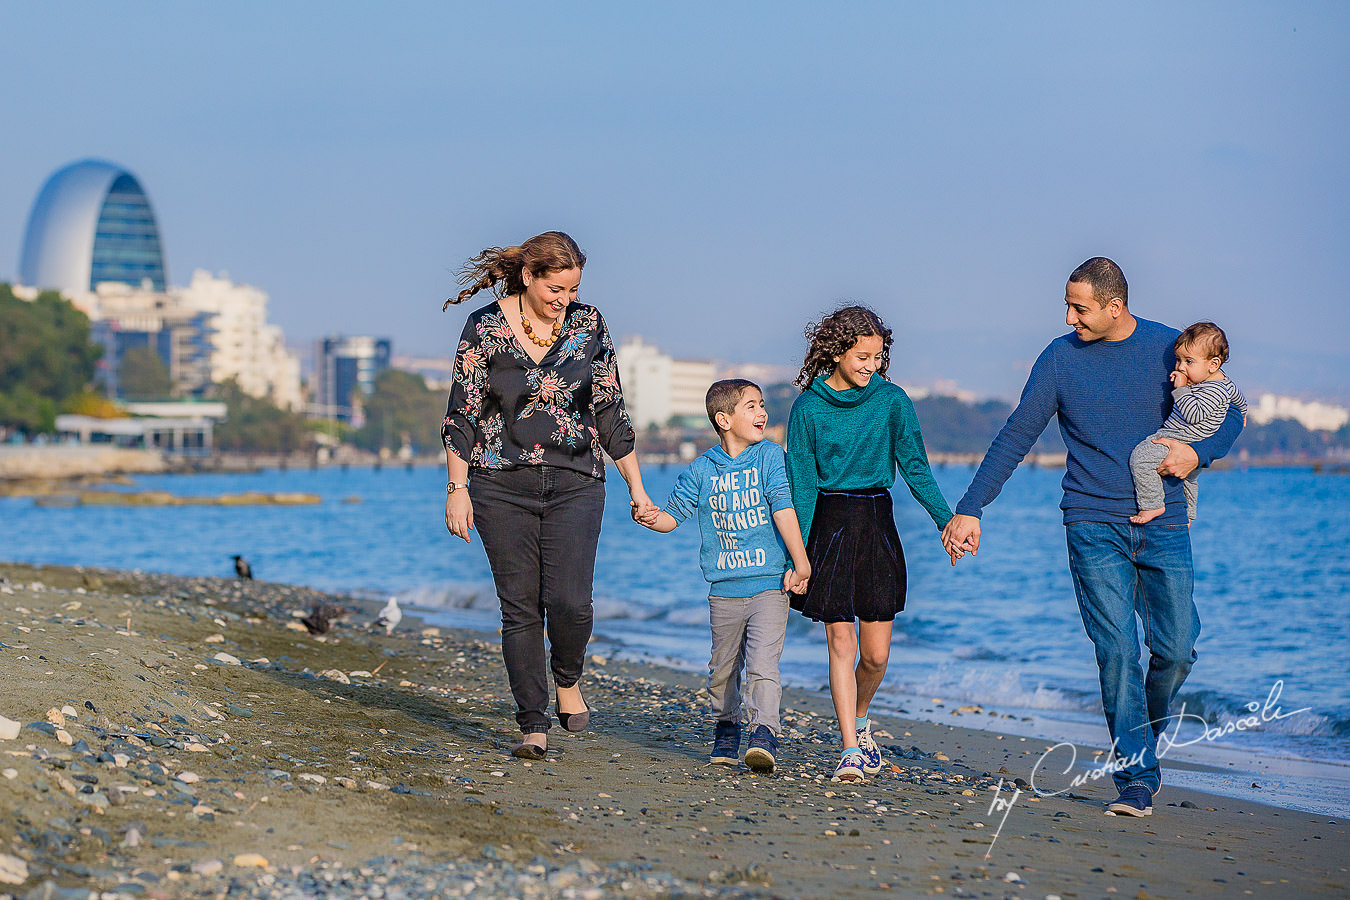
{"x":1108,"y":396}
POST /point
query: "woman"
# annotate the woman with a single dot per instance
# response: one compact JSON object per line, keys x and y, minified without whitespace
{"x":535,"y":400}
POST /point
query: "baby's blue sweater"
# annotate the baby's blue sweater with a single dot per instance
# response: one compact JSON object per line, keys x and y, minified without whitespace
{"x":735,"y":499}
{"x":1108,"y":396}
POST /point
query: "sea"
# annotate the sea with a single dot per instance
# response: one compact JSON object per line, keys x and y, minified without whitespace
{"x":993,"y":643}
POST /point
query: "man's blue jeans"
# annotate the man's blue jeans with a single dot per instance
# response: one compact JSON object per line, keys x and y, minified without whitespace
{"x":1120,"y":570}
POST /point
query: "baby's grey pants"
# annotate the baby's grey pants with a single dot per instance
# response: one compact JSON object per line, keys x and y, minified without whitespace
{"x":1148,"y":486}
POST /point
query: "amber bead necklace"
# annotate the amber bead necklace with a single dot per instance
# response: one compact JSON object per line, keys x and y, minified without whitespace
{"x":529,"y":332}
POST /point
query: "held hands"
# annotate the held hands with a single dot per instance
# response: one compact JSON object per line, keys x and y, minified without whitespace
{"x":796,"y":579}
{"x":961,"y":536}
{"x":642,"y":509}
{"x":459,"y":515}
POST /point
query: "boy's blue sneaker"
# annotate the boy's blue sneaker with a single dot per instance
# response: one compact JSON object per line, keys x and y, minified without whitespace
{"x":1135,"y":800}
{"x":870,"y":751}
{"x":763,"y":746}
{"x":726,"y":749}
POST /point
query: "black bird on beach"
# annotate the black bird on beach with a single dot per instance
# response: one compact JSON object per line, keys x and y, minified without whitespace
{"x":321,"y":617}
{"x":242,"y":568}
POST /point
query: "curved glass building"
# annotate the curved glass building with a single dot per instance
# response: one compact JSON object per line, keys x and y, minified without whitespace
{"x":91,"y":223}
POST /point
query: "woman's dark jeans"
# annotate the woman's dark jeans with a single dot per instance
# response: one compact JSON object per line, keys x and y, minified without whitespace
{"x":540,"y":526}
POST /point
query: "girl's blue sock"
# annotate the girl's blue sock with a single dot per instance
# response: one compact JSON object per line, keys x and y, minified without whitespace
{"x":848,"y":750}
{"x":863,"y":723}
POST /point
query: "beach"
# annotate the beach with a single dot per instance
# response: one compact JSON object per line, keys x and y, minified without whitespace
{"x":210,"y":747}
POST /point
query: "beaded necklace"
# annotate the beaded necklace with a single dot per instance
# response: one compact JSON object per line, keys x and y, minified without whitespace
{"x":529,"y":332}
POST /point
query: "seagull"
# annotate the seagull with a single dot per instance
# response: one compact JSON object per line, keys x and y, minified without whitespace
{"x":242,"y":568}
{"x":389,"y":616}
{"x":321,"y":617}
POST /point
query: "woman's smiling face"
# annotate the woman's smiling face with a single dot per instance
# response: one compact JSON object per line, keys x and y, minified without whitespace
{"x":548,"y":295}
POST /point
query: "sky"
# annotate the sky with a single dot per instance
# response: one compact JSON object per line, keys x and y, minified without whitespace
{"x":733,"y":170}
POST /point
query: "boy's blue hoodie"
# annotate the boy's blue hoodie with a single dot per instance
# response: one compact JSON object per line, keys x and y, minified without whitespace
{"x":735,"y":499}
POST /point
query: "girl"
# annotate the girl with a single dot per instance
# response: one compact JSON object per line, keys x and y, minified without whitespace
{"x":847,"y":434}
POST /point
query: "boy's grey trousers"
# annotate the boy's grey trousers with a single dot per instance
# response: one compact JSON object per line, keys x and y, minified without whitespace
{"x":747,"y":636}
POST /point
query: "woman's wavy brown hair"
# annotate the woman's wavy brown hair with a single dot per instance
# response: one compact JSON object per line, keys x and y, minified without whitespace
{"x":833,"y":336}
{"x":500,"y":268}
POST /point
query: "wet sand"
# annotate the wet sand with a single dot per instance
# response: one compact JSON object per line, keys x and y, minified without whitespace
{"x":215,"y":748}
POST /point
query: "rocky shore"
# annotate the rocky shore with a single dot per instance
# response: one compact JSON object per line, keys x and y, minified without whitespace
{"x":186,"y":737}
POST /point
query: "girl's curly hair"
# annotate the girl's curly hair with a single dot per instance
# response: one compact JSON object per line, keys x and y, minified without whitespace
{"x":500,"y":269}
{"x":833,"y":335}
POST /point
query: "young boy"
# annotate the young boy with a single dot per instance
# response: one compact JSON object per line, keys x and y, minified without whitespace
{"x":735,"y":489}
{"x":1201,"y":395}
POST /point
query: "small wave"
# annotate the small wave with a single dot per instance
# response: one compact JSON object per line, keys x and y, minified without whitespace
{"x":1220,"y":710}
{"x":998,"y":687}
{"x":459,"y":595}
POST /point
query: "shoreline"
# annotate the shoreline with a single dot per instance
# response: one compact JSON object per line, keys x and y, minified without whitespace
{"x":332,"y":776}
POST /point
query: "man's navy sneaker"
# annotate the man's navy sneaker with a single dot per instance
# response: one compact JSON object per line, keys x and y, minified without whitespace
{"x":1135,"y":800}
{"x":763,"y":747}
{"x":726,"y":744}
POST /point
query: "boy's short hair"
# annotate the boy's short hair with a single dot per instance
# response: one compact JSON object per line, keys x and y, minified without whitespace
{"x":1207,"y":338}
{"x":723,"y":397}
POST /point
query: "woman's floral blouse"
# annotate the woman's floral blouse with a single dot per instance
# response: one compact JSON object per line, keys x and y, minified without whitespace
{"x":507,"y":411}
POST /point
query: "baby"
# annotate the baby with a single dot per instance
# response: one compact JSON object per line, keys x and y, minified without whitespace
{"x":1201,"y":395}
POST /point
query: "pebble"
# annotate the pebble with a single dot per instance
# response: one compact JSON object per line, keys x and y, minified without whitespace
{"x":215,"y":639}
{"x":11,"y":774}
{"x":207,"y":866}
{"x":310,"y":776}
{"x":226,"y":659}
{"x":242,"y":712}
{"x":335,"y":675}
{"x":251,"y":860}
{"x":13,"y":870}
{"x":189,"y":777}
{"x":9,"y":729}
{"x":69,"y":712}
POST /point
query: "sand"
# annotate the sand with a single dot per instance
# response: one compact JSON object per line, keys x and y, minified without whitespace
{"x":359,"y":764}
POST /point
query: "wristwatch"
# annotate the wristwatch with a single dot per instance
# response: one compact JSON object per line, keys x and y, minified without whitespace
{"x":451,"y":487}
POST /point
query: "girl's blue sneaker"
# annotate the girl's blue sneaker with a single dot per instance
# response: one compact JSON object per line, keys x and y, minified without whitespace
{"x":850,"y":768}
{"x":870,"y":751}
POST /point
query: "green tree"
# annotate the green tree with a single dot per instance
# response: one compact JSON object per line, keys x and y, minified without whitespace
{"x":254,"y":425}
{"x":402,"y":404}
{"x":142,"y":375}
{"x":45,"y":358}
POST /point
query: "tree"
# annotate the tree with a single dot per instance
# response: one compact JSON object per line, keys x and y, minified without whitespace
{"x":402,"y":404}
{"x":45,"y":358}
{"x":255,"y":425}
{"x":142,"y":375}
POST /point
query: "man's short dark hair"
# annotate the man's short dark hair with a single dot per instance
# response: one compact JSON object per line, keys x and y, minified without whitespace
{"x":723,"y":397}
{"x":1107,"y":281}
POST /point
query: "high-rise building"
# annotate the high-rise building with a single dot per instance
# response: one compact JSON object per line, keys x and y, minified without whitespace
{"x":657,"y":388}
{"x":345,"y":369}
{"x":92,"y":236}
{"x":92,"y":223}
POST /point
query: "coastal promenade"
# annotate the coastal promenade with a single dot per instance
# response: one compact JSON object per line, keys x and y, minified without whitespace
{"x":185,"y":737}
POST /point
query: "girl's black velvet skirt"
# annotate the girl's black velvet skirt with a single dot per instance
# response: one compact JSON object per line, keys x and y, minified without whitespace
{"x":857,"y":563}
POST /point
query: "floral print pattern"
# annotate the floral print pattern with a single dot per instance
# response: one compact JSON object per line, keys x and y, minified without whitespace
{"x":507,"y":411}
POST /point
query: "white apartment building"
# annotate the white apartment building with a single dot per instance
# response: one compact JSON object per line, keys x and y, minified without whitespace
{"x":1313,"y":416}
{"x":657,"y":387}
{"x":209,"y":331}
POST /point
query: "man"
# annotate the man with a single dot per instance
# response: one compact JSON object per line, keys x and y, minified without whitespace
{"x":1108,"y":385}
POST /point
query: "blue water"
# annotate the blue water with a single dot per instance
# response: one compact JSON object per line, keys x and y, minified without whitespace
{"x":1002,"y":631}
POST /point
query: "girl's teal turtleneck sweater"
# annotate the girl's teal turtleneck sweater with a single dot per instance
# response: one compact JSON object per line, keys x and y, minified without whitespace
{"x":855,"y":439}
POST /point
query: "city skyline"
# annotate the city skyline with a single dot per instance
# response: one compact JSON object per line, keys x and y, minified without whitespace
{"x":731,"y":175}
